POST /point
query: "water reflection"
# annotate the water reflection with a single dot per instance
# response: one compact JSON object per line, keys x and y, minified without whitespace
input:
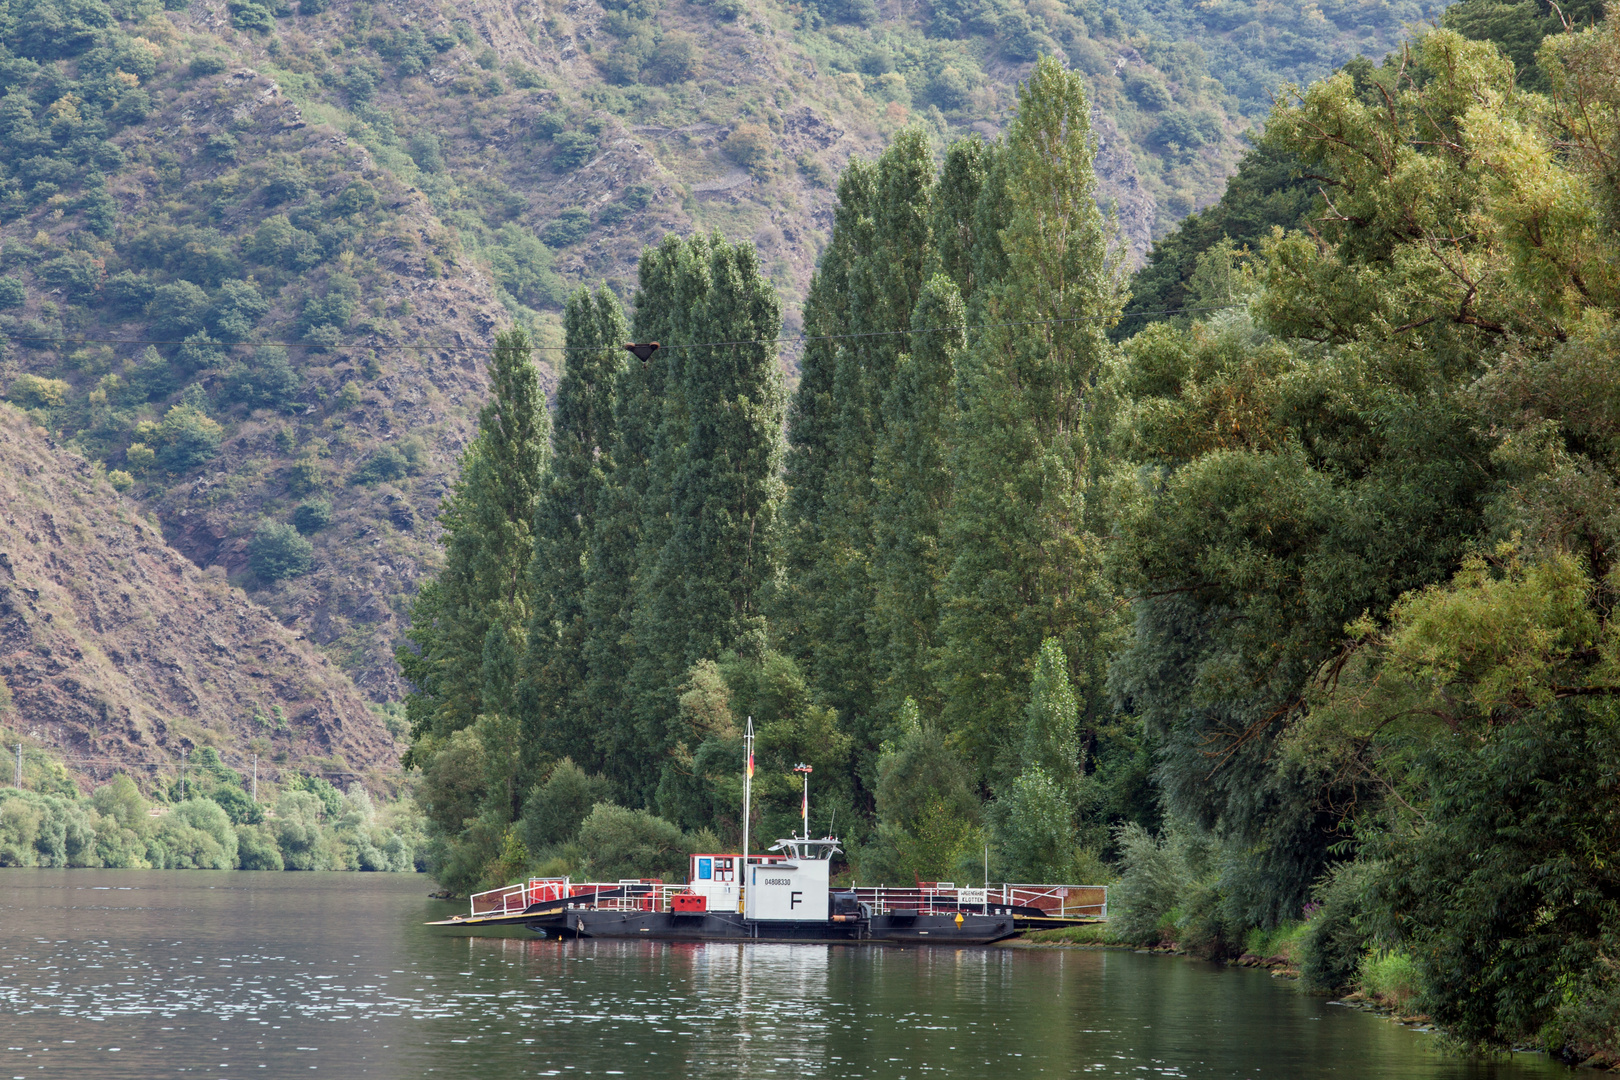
{"x":137,"y":974}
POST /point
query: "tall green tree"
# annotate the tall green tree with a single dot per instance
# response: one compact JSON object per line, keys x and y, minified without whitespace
{"x":630,"y":524}
{"x":892,"y":249}
{"x":487,"y":519}
{"x":468,"y":624}
{"x":955,"y":211}
{"x":1025,"y":551}
{"x":928,"y":812}
{"x":811,"y":628}
{"x":673,"y":288}
{"x":557,"y":718}
{"x":913,"y":486}
{"x":714,"y":485}
{"x":728,"y":492}
{"x":1051,"y":739}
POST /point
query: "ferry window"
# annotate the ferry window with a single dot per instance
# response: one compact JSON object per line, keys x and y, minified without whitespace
{"x":705,"y":869}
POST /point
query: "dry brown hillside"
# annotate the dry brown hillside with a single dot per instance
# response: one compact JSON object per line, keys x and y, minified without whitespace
{"x":114,"y":647}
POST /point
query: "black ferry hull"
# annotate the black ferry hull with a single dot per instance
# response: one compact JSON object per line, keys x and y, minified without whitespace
{"x":884,"y":929}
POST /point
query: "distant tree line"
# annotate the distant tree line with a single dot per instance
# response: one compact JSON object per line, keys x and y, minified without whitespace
{"x":207,"y":820}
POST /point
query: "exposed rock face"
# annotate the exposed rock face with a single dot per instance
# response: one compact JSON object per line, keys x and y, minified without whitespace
{"x":117,"y":648}
{"x":1119,"y":187}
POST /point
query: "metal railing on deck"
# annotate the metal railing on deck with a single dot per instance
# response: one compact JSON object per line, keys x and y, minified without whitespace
{"x":631,"y":894}
{"x":935,"y":897}
{"x":929,"y":898}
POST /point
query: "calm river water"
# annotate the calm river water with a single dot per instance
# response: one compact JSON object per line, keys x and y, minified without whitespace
{"x":150,"y":974}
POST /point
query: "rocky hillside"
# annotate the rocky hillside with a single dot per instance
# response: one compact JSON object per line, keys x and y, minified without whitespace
{"x":252,"y":252}
{"x":115,"y":648}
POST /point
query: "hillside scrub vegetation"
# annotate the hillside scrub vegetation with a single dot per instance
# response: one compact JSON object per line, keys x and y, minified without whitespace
{"x":300,"y":223}
{"x":1270,"y":609}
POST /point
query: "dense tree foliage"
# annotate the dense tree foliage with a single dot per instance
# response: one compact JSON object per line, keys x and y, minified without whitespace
{"x":1370,"y":547}
{"x":1282,"y":606}
{"x":208,"y":821}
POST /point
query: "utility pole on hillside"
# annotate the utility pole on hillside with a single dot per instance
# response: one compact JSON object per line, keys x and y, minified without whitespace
{"x":255,"y":777}
{"x":18,"y":781}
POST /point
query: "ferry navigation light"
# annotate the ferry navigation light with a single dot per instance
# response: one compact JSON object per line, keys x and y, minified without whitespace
{"x":801,"y":767}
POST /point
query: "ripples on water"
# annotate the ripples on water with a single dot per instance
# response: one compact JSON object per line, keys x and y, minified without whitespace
{"x":146,"y":974}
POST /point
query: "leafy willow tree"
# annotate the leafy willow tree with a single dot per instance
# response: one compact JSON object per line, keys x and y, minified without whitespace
{"x":557,"y":718}
{"x":1485,"y":703}
{"x":1371,"y":547}
{"x":1024,"y":549}
{"x":1518,"y":27}
{"x":1266,"y":192}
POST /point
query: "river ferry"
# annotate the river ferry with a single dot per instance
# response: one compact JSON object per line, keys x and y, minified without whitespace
{"x":785,"y":894}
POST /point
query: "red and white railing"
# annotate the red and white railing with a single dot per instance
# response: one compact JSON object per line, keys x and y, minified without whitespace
{"x":932,"y":897}
{"x":928,"y":898}
{"x":632,"y":894}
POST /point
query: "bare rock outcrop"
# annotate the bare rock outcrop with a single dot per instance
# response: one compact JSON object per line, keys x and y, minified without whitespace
{"x":120,"y":653}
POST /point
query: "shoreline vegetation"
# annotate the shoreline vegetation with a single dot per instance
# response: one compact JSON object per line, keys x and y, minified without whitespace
{"x":1386,"y":984}
{"x":207,"y":820}
{"x":1288,"y":608}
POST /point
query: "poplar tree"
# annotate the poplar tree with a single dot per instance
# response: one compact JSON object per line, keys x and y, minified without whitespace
{"x":673,"y":289}
{"x":728,"y":493}
{"x":1051,"y":739}
{"x":714,"y":483}
{"x":1048,"y":287}
{"x":913,"y":483}
{"x":498,"y":726}
{"x":487,"y":520}
{"x":809,"y":624}
{"x":810,"y":427}
{"x":956,"y":198}
{"x":625,"y":536}
{"x":884,"y":282}
{"x":865,"y":293}
{"x":557,"y":719}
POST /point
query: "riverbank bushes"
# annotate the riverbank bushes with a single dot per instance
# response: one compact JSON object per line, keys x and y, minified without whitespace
{"x":216,"y":826}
